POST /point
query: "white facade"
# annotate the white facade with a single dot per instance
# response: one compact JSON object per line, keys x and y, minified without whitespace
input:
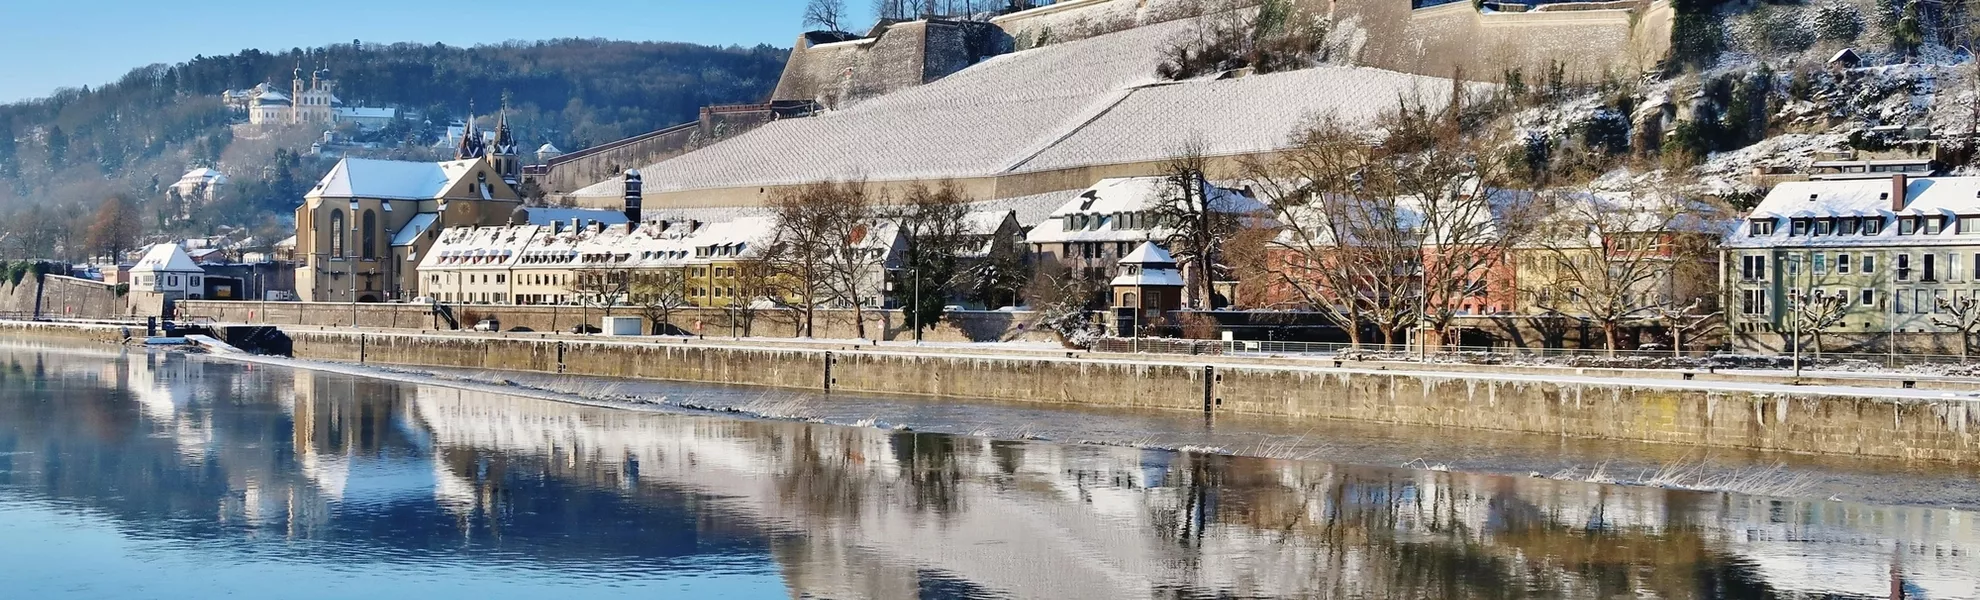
{"x":166,"y":269}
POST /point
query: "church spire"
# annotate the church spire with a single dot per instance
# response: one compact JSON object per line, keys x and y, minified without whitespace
{"x":471,"y":146}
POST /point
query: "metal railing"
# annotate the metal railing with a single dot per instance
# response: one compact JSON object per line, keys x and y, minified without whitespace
{"x":1717,"y":359}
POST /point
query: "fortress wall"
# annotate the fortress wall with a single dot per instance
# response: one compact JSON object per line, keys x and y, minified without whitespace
{"x":1435,"y":41}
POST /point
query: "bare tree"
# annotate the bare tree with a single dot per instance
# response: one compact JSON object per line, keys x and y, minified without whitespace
{"x":1343,"y":249}
{"x":756,"y":285}
{"x":1615,"y":258}
{"x":934,"y":224}
{"x":1200,"y":219}
{"x":114,"y":229}
{"x":659,"y":294}
{"x":825,"y":13}
{"x":894,"y":9}
{"x":1689,"y":322}
{"x":599,"y":287}
{"x":1814,"y":312}
{"x":1961,"y":314}
{"x":826,"y":250}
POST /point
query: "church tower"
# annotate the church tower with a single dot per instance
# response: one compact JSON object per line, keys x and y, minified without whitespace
{"x":295,"y":96}
{"x":471,"y":146}
{"x":506,"y":156}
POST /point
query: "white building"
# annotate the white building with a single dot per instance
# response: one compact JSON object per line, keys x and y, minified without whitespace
{"x":166,"y":270}
{"x":1105,"y":223}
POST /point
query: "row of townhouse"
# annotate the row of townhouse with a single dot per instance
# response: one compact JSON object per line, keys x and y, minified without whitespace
{"x":1904,"y":251}
{"x":581,"y":261}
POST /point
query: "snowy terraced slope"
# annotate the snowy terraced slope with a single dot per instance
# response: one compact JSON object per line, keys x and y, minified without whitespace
{"x":1089,"y":102}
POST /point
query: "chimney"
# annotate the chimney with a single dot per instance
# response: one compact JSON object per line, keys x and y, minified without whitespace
{"x":633,"y":186}
{"x":577,"y":224}
{"x":1899,"y":182}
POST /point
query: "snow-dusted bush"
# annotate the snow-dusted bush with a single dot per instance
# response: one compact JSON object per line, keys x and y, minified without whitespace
{"x":1839,"y":20}
{"x":1773,"y":29}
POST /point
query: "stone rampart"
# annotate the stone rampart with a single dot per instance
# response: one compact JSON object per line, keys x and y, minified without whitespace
{"x":57,"y":297}
{"x":1895,"y":424}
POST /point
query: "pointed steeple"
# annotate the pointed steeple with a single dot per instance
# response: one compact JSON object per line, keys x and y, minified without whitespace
{"x":470,"y":146}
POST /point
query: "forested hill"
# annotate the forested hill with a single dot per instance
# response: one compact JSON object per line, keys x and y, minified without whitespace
{"x":62,"y":155}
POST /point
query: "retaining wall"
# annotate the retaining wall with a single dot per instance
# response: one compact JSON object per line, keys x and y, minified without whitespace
{"x":1834,"y":421}
{"x":972,"y":326}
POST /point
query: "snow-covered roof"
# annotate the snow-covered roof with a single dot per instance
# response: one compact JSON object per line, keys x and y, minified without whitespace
{"x":1085,"y":102}
{"x":203,"y":175}
{"x":390,"y":179}
{"x":271,"y":97}
{"x":361,"y":112}
{"x":985,"y":222}
{"x":414,"y":228}
{"x":479,"y":247}
{"x":548,"y":148}
{"x":1117,"y":210}
{"x":1924,"y":196}
{"x":1148,"y":265}
{"x":1148,"y":254}
{"x":541,"y":215}
{"x":166,"y":258}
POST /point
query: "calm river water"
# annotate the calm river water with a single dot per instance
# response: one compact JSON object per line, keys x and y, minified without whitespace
{"x":152,"y":475}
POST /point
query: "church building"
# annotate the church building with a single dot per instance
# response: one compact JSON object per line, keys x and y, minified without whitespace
{"x":363,"y":229}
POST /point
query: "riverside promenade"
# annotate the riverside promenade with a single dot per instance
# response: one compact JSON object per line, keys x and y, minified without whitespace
{"x":1891,"y":416}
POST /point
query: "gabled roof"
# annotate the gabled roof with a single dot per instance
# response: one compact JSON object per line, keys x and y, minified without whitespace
{"x":393,"y":179}
{"x":166,"y":258}
{"x":416,"y":227}
{"x":1100,"y":206}
{"x":1924,"y":196}
{"x":1157,"y":268}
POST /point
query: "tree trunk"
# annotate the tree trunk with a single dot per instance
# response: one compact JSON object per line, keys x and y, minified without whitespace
{"x":859,"y":320}
{"x":1609,"y":337}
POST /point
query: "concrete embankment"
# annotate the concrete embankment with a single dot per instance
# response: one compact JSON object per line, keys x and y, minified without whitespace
{"x":1851,"y":420}
{"x":1914,"y":424}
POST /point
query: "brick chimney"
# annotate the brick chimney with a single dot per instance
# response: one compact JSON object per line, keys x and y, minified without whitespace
{"x":1899,"y":182}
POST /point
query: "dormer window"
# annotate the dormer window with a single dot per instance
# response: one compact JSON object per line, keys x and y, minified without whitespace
{"x":1822,"y":227}
{"x":1761,"y":227}
{"x":1873,"y":225}
{"x":1933,"y":225}
{"x":1800,"y":227}
{"x":1907,"y":225}
{"x":1848,"y":226}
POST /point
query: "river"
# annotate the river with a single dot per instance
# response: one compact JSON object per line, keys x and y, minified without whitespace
{"x":134,"y":474}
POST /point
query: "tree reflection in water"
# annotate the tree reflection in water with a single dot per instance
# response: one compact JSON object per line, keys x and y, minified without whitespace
{"x":334,"y":468}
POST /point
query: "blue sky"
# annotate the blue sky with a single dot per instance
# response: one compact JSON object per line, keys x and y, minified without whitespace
{"x":71,"y":43}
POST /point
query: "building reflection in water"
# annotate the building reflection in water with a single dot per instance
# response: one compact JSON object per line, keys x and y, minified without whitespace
{"x":373,"y":470}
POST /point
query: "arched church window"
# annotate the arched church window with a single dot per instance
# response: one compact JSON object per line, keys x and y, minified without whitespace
{"x":370,"y":249}
{"x":337,"y":233}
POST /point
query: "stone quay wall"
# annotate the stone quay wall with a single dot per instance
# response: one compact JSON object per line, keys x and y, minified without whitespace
{"x":887,"y":325}
{"x":1852,"y":421}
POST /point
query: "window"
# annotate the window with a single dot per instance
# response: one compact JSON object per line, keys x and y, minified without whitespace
{"x":1799,"y":227}
{"x":1821,"y":264}
{"x":1938,"y":300}
{"x":1869,"y":264}
{"x":1952,"y":267}
{"x":337,"y":233}
{"x":1869,"y":297}
{"x":1907,"y":225}
{"x":1842,"y":264}
{"x":1969,"y":225}
{"x":1898,"y":303}
{"x":1822,"y":227}
{"x":1793,"y":266}
{"x":1930,"y":273}
{"x":1932,"y":225}
{"x":1761,"y":227}
{"x":1904,"y":267}
{"x":1873,"y":226}
{"x":370,"y":236}
{"x":1848,"y":226}
{"x":1753,"y":302}
{"x":196,"y":281}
